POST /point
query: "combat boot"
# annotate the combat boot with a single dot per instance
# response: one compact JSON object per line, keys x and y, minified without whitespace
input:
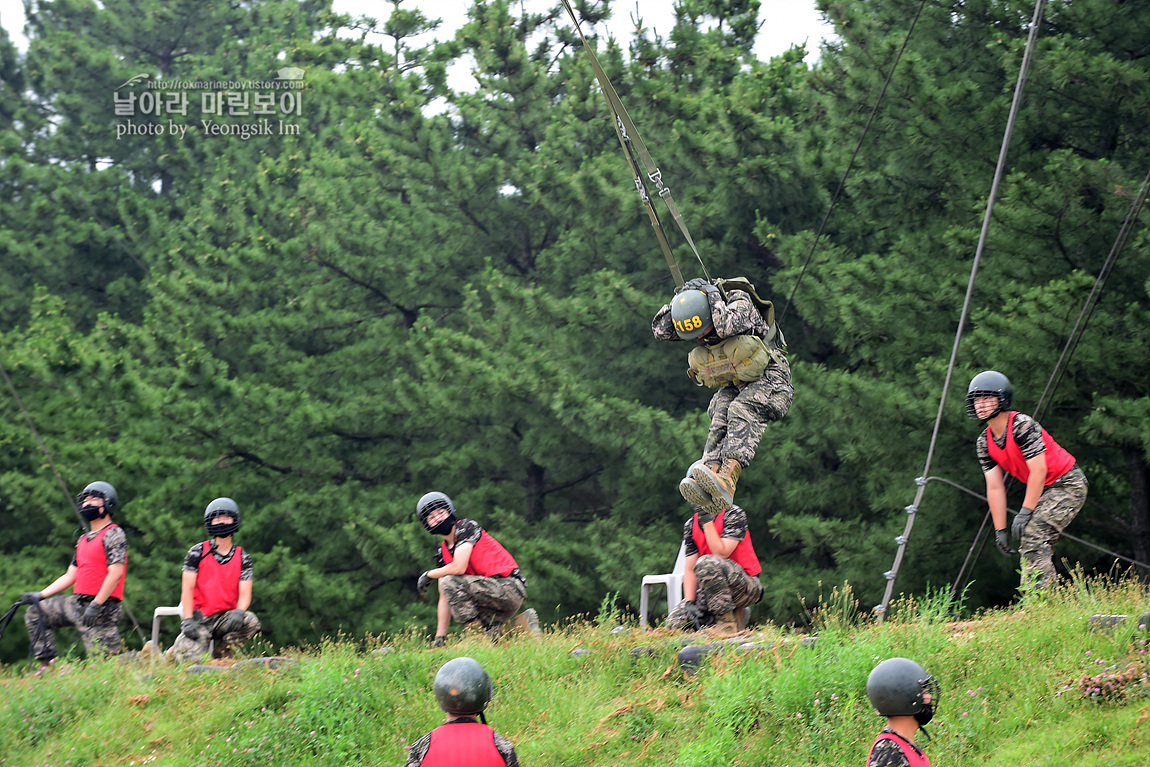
{"x":527,"y":622}
{"x":693,"y":493}
{"x":718,"y":483}
{"x":725,"y":625}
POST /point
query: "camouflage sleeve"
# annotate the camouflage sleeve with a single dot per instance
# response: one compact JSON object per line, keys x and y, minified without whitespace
{"x":245,"y":565}
{"x":1028,"y":435}
{"x":506,"y":750}
{"x":736,"y":316}
{"x":983,"y":451}
{"x":887,"y":753}
{"x":467,"y":531}
{"x":416,"y":753}
{"x":661,"y":326}
{"x":192,"y":560}
{"x":116,"y":546}
{"x":689,"y":538}
{"x":439,"y":557}
{"x":734,"y":524}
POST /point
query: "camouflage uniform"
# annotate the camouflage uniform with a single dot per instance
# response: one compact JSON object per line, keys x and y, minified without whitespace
{"x":488,"y":601}
{"x":739,"y":412}
{"x":1059,"y":503}
{"x":723,"y":586}
{"x":184,"y":649}
{"x":887,"y":753}
{"x":416,"y":753}
{"x":67,"y":610}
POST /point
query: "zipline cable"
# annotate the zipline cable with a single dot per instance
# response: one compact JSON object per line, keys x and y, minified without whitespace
{"x":850,"y":164}
{"x":912,"y":510}
{"x":1064,"y":362}
{"x":633,"y":145}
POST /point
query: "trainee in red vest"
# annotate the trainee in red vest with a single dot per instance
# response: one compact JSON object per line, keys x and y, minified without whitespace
{"x":1010,"y":458}
{"x":488,"y":558}
{"x":913,"y":757}
{"x":217,"y":586}
{"x":92,"y":566}
{"x":463,"y":743}
{"x":744,"y":553}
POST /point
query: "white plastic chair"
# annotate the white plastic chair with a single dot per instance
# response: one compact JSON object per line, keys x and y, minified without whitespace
{"x":672,"y":580}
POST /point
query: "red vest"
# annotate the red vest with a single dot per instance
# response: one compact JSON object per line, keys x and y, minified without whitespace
{"x":744,"y":553}
{"x":488,"y":558}
{"x":1058,"y":461}
{"x":463,"y":744}
{"x":913,"y":757}
{"x":92,"y":566}
{"x":217,"y":586}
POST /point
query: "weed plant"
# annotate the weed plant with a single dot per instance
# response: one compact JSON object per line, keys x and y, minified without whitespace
{"x":1035,"y":685}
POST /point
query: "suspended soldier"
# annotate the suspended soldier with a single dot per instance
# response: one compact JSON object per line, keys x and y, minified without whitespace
{"x":720,"y":579}
{"x":216,"y":589}
{"x":737,"y":352}
{"x":479,"y":581}
{"x":463,"y":690}
{"x":907,"y":696}
{"x":96,"y":576}
{"x":1055,"y":486}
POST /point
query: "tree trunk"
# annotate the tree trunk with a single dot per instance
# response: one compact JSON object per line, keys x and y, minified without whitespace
{"x":1139,"y":512}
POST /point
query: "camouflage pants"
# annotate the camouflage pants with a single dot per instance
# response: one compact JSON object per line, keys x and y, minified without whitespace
{"x":723,"y":587}
{"x":66,"y":610}
{"x":740,"y":413}
{"x":483,"y":600}
{"x":184,"y":649}
{"x":1056,"y":508}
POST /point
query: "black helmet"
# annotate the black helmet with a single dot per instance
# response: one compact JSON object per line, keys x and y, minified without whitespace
{"x":896,"y":687}
{"x":222,"y":507}
{"x":100,"y":490}
{"x":691,"y":314}
{"x":989,"y":383}
{"x":462,"y":687}
{"x":429,"y":503}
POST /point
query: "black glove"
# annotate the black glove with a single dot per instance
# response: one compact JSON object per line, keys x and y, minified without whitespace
{"x":92,"y":614}
{"x":705,"y":517}
{"x":29,"y":598}
{"x":696,"y":284}
{"x":1021,"y":520}
{"x":191,"y":628}
{"x":692,"y":611}
{"x":1002,"y":541}
{"x":423,"y":583}
{"x":439,"y":641}
{"x":233,"y":621}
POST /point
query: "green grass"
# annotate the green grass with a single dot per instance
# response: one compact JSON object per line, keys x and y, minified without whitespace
{"x":1018,"y":687}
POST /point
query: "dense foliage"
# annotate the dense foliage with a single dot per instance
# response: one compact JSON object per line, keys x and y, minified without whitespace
{"x":431,"y":289}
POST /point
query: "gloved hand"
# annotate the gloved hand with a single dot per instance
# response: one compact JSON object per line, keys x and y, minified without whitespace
{"x":705,"y":516}
{"x":439,"y":641}
{"x":423,"y":584}
{"x":1021,"y":520}
{"x":696,"y":284}
{"x":92,"y":614}
{"x":1002,"y":541}
{"x":692,"y":612}
{"x":190,"y":628}
{"x":29,"y":598}
{"x":233,"y":621}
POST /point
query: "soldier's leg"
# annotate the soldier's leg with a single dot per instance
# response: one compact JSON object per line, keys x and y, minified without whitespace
{"x":456,"y":589}
{"x":51,"y":613}
{"x":717,"y":434}
{"x":104,"y":637}
{"x":497,"y":599}
{"x":1056,"y":508}
{"x":759,"y":403}
{"x":715,"y":576}
{"x":678,"y":620}
{"x":184,"y":649}
{"x":235,"y":638}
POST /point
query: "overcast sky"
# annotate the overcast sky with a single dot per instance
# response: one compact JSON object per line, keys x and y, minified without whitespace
{"x":784,"y":22}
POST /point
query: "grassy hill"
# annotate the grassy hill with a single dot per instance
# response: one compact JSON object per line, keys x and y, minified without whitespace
{"x":1033,"y":686}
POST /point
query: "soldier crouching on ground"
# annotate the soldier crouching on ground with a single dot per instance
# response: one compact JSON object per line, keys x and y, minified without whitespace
{"x":721,"y":575}
{"x":738,"y":353}
{"x":216,"y":589}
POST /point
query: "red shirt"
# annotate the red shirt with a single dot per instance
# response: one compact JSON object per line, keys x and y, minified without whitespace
{"x":92,"y":566}
{"x":488,"y":558}
{"x":217,"y":586}
{"x":744,"y":554}
{"x":914,"y":757}
{"x":1011,"y":459}
{"x":463,"y":744}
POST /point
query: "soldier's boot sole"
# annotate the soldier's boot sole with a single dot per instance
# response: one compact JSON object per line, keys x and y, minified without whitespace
{"x":526,"y":622}
{"x":712,"y":485}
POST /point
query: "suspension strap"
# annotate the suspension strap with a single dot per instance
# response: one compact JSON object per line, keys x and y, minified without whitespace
{"x":633,"y":145}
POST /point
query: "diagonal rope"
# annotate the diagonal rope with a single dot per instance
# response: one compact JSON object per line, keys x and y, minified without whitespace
{"x":850,"y":165}
{"x":912,"y":510}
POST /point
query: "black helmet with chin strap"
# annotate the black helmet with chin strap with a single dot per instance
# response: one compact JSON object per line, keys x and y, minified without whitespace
{"x":897,"y":687}
{"x":222,"y":507}
{"x":462,"y":687}
{"x":989,"y":383}
{"x":429,"y":503}
{"x":102,"y":490}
